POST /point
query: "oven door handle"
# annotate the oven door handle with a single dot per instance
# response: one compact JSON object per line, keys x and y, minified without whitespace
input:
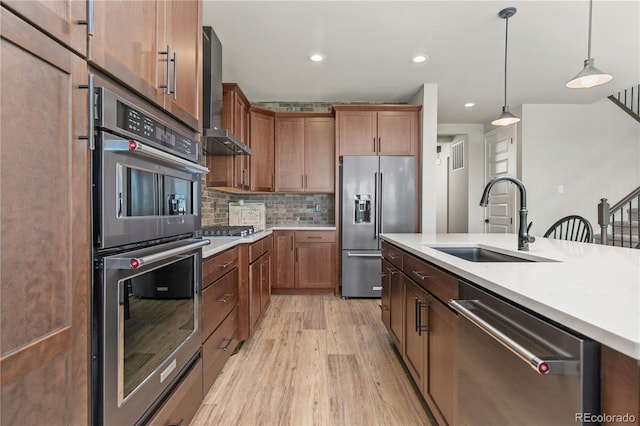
{"x":137,"y":262}
{"x":144,"y":149}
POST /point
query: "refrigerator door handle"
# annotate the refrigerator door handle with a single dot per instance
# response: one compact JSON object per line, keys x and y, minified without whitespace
{"x":349,"y":254}
{"x":380,"y":223}
{"x":375,"y":205}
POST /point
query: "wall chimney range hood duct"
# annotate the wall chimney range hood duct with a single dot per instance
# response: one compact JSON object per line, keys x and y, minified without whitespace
{"x":215,"y":140}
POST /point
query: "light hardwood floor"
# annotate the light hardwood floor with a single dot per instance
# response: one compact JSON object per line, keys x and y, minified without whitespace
{"x":315,"y":360}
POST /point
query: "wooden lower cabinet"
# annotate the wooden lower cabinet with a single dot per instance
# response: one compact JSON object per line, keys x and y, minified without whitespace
{"x":416,"y":332}
{"x":619,"y":386}
{"x":217,"y":349}
{"x":260,"y":277}
{"x":385,"y":298}
{"x":305,"y":262}
{"x":183,"y":404}
{"x":442,"y":387}
{"x":396,"y":308}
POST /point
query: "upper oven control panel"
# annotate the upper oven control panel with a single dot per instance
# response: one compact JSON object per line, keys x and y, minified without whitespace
{"x":115,"y":114}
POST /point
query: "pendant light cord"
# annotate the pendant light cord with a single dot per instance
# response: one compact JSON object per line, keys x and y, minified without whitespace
{"x":589,"y":42}
{"x":506,"y":41}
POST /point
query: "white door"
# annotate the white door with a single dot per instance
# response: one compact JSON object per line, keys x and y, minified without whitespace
{"x":500,"y":148}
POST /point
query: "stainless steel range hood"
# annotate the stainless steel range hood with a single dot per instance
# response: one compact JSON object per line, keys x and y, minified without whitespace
{"x":215,"y":140}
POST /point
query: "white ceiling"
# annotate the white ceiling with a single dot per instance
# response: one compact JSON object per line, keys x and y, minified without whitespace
{"x":368,"y":46}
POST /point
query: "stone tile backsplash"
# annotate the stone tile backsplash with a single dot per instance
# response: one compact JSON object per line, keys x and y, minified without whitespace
{"x":281,"y":209}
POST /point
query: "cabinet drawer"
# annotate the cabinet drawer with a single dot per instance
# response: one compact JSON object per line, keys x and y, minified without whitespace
{"x":438,"y":282}
{"x":392,"y":254}
{"x":315,"y":237}
{"x":267,"y":243}
{"x":184,"y":401}
{"x":218,"y":265}
{"x":217,"y":301}
{"x":219,"y":347}
{"x":255,"y":250}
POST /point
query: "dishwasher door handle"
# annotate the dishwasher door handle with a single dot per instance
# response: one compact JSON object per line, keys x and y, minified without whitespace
{"x":539,"y":365}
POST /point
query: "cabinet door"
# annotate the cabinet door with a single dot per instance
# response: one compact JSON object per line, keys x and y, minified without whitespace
{"x":185,"y":80}
{"x":58,"y":18}
{"x":284,"y":276}
{"x":416,"y":336}
{"x":265,"y":283}
{"x":44,"y":181}
{"x":255,"y":291}
{"x":315,"y":265}
{"x":397,"y":133}
{"x":289,"y":154}
{"x":262,"y":151}
{"x":357,"y":132}
{"x":385,"y":295}
{"x":129,"y":50}
{"x":241,"y":130}
{"x":319,"y":154}
{"x":396,"y":306}
{"x":443,"y":364}
{"x":183,"y":404}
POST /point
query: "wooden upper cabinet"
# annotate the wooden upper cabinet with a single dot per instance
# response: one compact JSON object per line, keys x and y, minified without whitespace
{"x":357,"y":133}
{"x":377,"y":129}
{"x":44,"y":170}
{"x":182,"y":31}
{"x":289,"y":166}
{"x":136,"y":51}
{"x":262,"y":149}
{"x":58,"y":18}
{"x":397,"y":133}
{"x":129,"y":51}
{"x":319,"y":154}
{"x":305,"y":153}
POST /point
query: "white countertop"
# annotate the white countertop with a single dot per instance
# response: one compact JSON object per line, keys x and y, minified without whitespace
{"x":220,"y":244}
{"x":590,"y":288}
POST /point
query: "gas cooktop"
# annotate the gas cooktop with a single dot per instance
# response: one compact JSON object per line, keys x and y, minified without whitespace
{"x":229,"y":231}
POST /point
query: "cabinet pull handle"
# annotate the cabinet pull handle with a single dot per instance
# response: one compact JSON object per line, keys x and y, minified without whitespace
{"x":383,"y":274}
{"x":419,"y":305}
{"x":224,"y":265}
{"x":225,"y":347}
{"x":374,"y":144}
{"x":91,"y":137}
{"x":226,"y":298}
{"x":394,"y":257}
{"x":392,"y":271}
{"x":383,"y":307}
{"x":175,"y":75}
{"x":379,"y":144}
{"x":291,"y":241}
{"x":89,"y":21}
{"x":421,"y":275}
{"x":168,"y":69}
{"x":302,"y":178}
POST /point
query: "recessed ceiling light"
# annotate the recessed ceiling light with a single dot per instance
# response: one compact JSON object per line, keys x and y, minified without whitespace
{"x":469,"y":104}
{"x":316,"y":57}
{"x":419,"y":58}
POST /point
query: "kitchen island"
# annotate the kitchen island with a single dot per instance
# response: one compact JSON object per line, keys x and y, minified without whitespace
{"x":589,"y":289}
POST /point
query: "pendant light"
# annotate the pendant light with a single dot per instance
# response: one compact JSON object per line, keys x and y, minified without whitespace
{"x":590,"y":76}
{"x":506,"y":118}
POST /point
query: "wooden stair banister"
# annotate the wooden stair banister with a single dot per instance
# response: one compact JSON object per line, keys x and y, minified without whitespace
{"x":625,"y":228}
{"x":629,"y":101}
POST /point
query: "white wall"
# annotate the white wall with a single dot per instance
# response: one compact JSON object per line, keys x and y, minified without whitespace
{"x":459,"y":192}
{"x":475,"y":156}
{"x":592,"y":151}
{"x":442,"y":175}
{"x":427,"y":96}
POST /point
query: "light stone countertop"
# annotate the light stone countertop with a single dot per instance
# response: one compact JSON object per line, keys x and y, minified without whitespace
{"x":590,"y":288}
{"x":220,"y":244}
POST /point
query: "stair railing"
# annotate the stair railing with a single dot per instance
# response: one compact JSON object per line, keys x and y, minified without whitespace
{"x":624,"y":218}
{"x":629,"y":101}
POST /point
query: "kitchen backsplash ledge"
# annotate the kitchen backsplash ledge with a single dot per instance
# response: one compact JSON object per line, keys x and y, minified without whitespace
{"x":281,"y":209}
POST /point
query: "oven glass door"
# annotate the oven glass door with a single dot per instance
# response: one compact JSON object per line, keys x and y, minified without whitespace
{"x":150,"y":324}
{"x":143,"y":198}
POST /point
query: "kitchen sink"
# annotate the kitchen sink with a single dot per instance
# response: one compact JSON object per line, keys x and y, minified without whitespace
{"x":482,"y":254}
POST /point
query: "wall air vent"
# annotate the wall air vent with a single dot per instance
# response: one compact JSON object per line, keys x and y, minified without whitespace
{"x":457,"y":156}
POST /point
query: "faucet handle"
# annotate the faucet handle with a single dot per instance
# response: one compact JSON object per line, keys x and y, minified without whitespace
{"x":529,"y":237}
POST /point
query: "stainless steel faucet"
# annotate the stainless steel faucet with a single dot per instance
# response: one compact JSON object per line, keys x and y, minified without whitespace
{"x":523,"y":230}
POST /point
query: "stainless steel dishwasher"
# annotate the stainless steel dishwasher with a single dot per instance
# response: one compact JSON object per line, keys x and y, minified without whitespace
{"x":518,"y":369}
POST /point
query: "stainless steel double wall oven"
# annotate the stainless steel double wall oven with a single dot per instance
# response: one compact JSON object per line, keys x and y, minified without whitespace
{"x":147,"y":281}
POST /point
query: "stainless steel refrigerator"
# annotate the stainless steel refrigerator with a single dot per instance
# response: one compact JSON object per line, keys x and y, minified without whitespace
{"x":378,"y":195}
